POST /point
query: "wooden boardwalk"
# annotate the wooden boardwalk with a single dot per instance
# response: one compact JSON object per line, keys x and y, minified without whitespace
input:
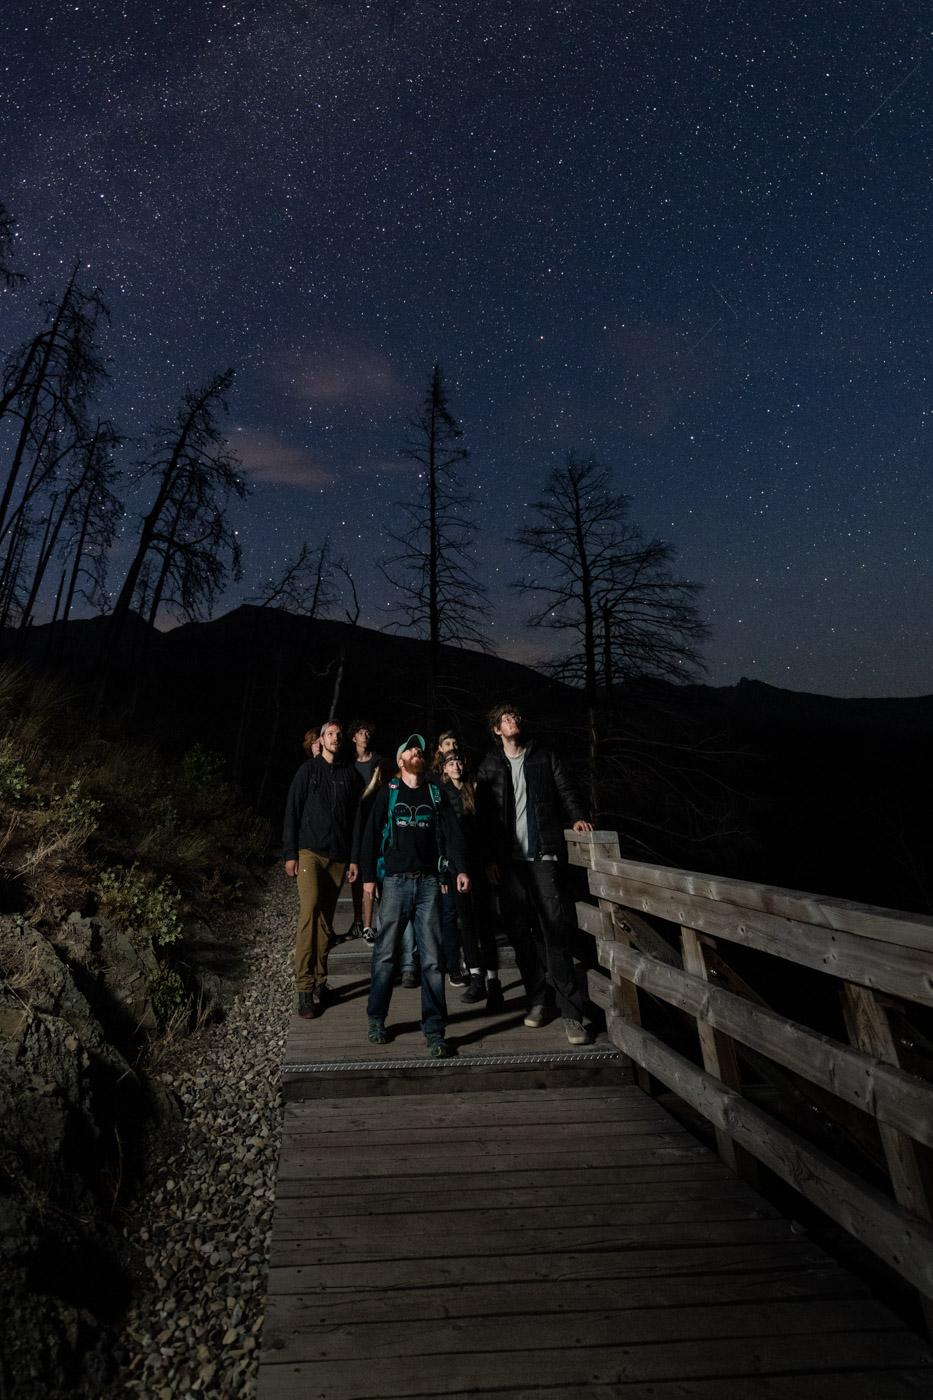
{"x":524,"y":1220}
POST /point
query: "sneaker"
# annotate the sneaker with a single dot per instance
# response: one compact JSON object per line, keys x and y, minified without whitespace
{"x":495,"y":1001}
{"x":320,"y":997}
{"x":368,"y":936}
{"x":354,"y":931}
{"x":457,"y":979}
{"x":377,"y":1032}
{"x":409,"y":979}
{"x":575,"y":1031}
{"x":439,"y":1048}
{"x":306,"y":1006}
{"x":476,"y":988}
{"x":536,"y":1017}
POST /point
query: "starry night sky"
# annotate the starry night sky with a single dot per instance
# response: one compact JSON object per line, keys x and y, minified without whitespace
{"x":692,"y":239}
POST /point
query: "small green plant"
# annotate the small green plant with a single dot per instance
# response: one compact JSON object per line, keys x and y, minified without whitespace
{"x":71,"y":815}
{"x":168,"y":996}
{"x":152,"y":909}
{"x":13,"y":779}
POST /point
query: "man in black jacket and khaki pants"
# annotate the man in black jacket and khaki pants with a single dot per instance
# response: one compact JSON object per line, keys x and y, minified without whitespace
{"x":318,"y":829}
{"x":523,"y":796}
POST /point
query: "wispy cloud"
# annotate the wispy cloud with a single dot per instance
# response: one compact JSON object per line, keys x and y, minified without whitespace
{"x":271,"y":462}
{"x":339,"y":373}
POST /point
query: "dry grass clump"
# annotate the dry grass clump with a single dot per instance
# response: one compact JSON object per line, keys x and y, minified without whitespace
{"x":21,"y":962}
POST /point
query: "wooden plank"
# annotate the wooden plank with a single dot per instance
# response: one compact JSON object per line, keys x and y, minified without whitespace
{"x":507,"y":1136}
{"x":297,"y":1219}
{"x":623,"y":997}
{"x":619,"y":1096}
{"x":418,"y":1164}
{"x":836,"y":915}
{"x":786,"y":1256}
{"x":579,"y":1179}
{"x":870,"y":1029}
{"x":466,"y":1371}
{"x":498,"y":1300}
{"x":554,"y":1241}
{"x":303,"y":1116}
{"x":902,"y":1384}
{"x":902,"y":1241}
{"x":719,"y":1058}
{"x":606,"y":921}
{"x":598,"y":1327}
{"x":864,"y":1081}
{"x":515,"y":1142}
{"x":437,"y":1194}
{"x":905,"y":971}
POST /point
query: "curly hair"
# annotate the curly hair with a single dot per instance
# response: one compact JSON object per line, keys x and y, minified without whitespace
{"x":494,"y":717}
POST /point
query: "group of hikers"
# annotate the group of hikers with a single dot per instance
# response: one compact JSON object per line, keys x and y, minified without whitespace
{"x":426,"y":846}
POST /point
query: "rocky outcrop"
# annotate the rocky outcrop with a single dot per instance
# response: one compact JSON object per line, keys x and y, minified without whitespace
{"x":73,"y":1111}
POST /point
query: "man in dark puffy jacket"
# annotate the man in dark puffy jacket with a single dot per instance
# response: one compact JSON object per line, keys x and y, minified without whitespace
{"x":524,"y":796}
{"x":316,"y":836}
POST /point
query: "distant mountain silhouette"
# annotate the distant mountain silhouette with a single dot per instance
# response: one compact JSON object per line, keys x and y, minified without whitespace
{"x":787,"y":787}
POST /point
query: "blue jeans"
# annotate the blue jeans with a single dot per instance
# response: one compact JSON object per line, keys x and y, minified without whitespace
{"x":407,"y":897}
{"x":409,"y":953}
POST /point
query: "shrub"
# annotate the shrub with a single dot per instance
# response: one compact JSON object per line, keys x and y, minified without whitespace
{"x":13,"y":779}
{"x":59,"y":829}
{"x":168,"y":995}
{"x":71,"y":817}
{"x":151,"y":909}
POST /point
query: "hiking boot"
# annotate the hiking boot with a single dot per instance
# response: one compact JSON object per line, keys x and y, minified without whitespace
{"x":368,"y":936}
{"x":475,"y":989}
{"x":306,"y":1006}
{"x":409,"y":979}
{"x":536,"y":1017}
{"x":439,"y":1048}
{"x":377,"y":1032}
{"x":320,"y":997}
{"x":575,"y":1031}
{"x":495,"y":1001}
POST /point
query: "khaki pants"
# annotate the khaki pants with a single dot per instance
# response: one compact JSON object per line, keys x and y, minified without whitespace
{"x":319,"y":882}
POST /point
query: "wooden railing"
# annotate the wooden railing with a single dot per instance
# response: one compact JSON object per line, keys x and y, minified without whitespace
{"x":878,"y":957}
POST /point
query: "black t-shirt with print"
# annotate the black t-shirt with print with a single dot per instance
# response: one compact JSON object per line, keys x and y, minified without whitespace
{"x":415,"y":845}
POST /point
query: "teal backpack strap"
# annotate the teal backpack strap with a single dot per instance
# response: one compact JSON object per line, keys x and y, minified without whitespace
{"x":387,"y":830}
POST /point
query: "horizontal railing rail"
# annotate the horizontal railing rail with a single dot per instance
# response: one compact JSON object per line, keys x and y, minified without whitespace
{"x":876,"y":955}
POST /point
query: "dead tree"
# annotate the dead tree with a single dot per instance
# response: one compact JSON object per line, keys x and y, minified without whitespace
{"x":184,"y":535}
{"x":8,"y":274}
{"x":433,"y":571}
{"x":609,"y":591}
{"x":72,"y":505}
{"x":47,"y":386}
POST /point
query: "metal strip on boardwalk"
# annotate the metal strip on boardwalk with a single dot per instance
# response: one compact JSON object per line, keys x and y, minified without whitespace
{"x":482,"y":1061}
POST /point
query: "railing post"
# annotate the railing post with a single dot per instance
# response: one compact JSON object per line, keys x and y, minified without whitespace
{"x":870,"y":1030}
{"x":719,"y":1057}
{"x":623,"y":995}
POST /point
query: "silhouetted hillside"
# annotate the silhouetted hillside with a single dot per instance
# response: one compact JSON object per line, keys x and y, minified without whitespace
{"x":801,"y":790}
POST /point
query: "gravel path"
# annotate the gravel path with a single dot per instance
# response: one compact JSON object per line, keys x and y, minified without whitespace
{"x":204,"y":1224}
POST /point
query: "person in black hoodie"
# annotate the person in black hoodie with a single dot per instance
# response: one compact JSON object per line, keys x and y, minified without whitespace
{"x":319,"y":812}
{"x":523,"y":795}
{"x":413,"y":841}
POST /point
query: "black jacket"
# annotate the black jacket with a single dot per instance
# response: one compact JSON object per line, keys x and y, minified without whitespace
{"x":553,"y":803}
{"x":320,"y":808}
